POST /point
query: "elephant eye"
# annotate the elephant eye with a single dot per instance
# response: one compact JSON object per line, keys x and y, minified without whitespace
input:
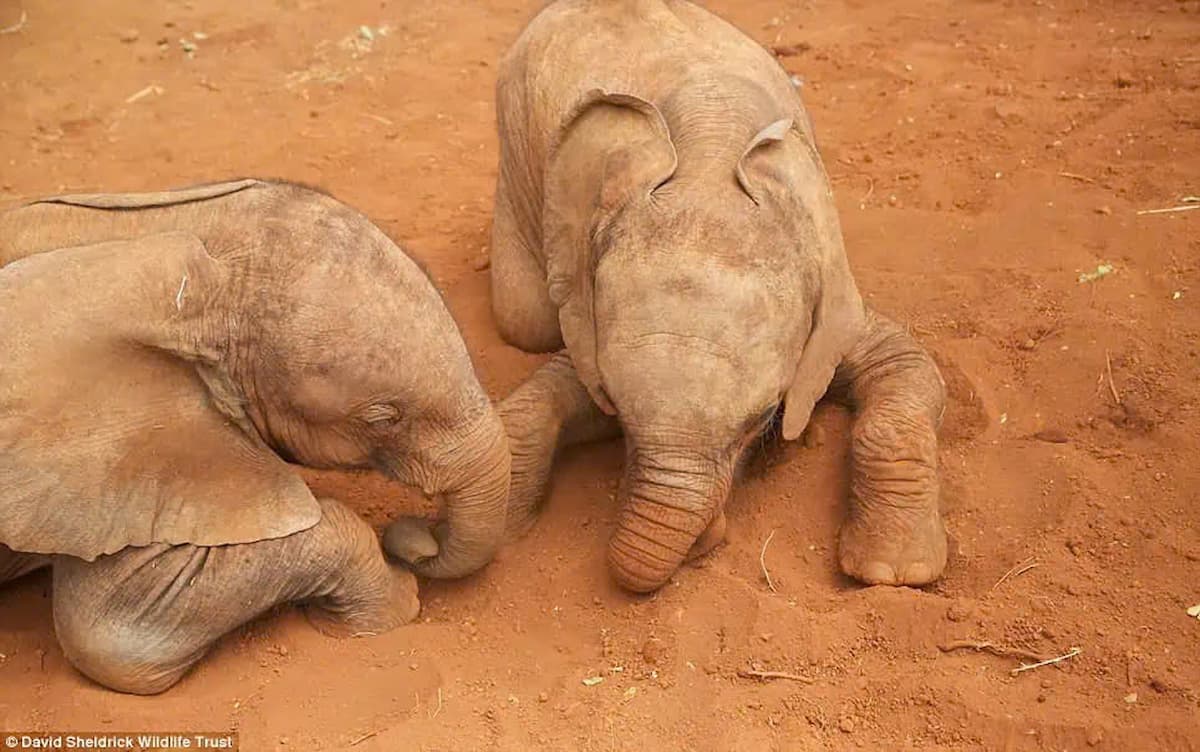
{"x":381,"y":414}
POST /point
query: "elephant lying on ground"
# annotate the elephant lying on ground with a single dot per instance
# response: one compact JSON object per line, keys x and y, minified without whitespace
{"x":165,"y":356}
{"x":662,"y":211}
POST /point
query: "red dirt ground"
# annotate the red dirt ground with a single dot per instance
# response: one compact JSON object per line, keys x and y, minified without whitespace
{"x":985,"y":154}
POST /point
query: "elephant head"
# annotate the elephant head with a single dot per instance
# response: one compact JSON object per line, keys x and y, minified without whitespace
{"x":223,"y":331}
{"x":705,"y":286}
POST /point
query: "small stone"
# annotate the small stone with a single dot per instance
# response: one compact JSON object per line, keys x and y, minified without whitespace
{"x":282,"y":650}
{"x":846,"y":724}
{"x":129,"y":36}
{"x":1041,"y":697}
{"x":1047,"y":684}
{"x":1008,"y":112}
{"x":1123,"y":81}
{"x":543,"y":697}
{"x":1052,"y":436}
{"x":283,"y":740}
{"x":653,"y":651}
{"x":814,"y":437}
{"x":413,"y":667}
{"x":1103,"y":210}
{"x":1131,"y":698}
{"x":1028,"y":344}
{"x":482,"y":263}
{"x":960,"y":610}
{"x":596,"y":600}
{"x":1094,"y":737}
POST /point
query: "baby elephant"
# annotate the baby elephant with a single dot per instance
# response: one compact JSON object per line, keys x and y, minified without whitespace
{"x":663,"y":213}
{"x":165,"y":356}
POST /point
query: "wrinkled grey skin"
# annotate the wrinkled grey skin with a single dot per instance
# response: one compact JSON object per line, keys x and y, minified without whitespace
{"x":662,"y":213}
{"x":165,"y":352}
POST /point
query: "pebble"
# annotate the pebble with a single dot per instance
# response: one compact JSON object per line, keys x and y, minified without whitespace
{"x":129,"y":36}
{"x":846,"y":725}
{"x":653,"y":651}
{"x":543,"y":697}
{"x":960,"y":610}
{"x":1094,"y":737}
{"x":1028,"y":344}
{"x":1052,"y":436}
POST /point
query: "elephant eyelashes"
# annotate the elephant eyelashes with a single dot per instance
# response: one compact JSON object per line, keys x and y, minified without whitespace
{"x":381,"y":414}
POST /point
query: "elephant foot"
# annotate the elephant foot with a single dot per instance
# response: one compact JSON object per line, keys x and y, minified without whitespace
{"x":893,"y":546}
{"x":395,"y":604}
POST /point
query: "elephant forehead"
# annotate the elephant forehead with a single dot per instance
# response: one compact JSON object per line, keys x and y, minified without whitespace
{"x":702,"y":296}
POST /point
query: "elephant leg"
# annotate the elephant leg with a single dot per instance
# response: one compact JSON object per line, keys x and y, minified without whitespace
{"x":14,"y":564}
{"x":137,"y":620}
{"x":521,"y":304}
{"x":552,"y":410}
{"x":894,"y":532}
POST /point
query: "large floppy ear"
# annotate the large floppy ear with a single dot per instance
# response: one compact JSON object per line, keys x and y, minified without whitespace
{"x":610,"y":149}
{"x":838,"y":322}
{"x":109,"y":435}
{"x":781,"y":166}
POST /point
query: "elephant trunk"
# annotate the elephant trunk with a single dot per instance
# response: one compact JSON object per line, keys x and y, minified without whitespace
{"x":669,"y":498}
{"x":476,"y":501}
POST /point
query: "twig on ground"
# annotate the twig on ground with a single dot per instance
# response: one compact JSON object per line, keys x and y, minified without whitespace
{"x":756,"y":674}
{"x":1048,"y":662}
{"x":363,"y":738}
{"x":1169,"y":209}
{"x":1080,"y":178}
{"x":1112,"y":387}
{"x":1018,"y":569}
{"x":762,"y":562}
{"x":151,"y":89}
{"x":17,"y":26}
{"x":987,"y":647}
{"x":870,"y":190}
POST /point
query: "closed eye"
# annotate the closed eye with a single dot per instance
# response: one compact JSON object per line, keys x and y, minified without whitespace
{"x":380,"y":414}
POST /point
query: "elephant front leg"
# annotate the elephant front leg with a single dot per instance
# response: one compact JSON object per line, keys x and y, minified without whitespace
{"x":894,"y":533}
{"x":137,"y":620}
{"x":550,"y":411}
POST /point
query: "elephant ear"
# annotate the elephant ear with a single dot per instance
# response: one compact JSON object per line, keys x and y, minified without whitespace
{"x":838,"y":322}
{"x":781,"y":166}
{"x":610,"y":149}
{"x":151,"y":199}
{"x":109,"y":434}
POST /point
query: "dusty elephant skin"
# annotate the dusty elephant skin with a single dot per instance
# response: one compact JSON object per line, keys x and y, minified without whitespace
{"x":663,"y":216}
{"x":166,"y":355}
